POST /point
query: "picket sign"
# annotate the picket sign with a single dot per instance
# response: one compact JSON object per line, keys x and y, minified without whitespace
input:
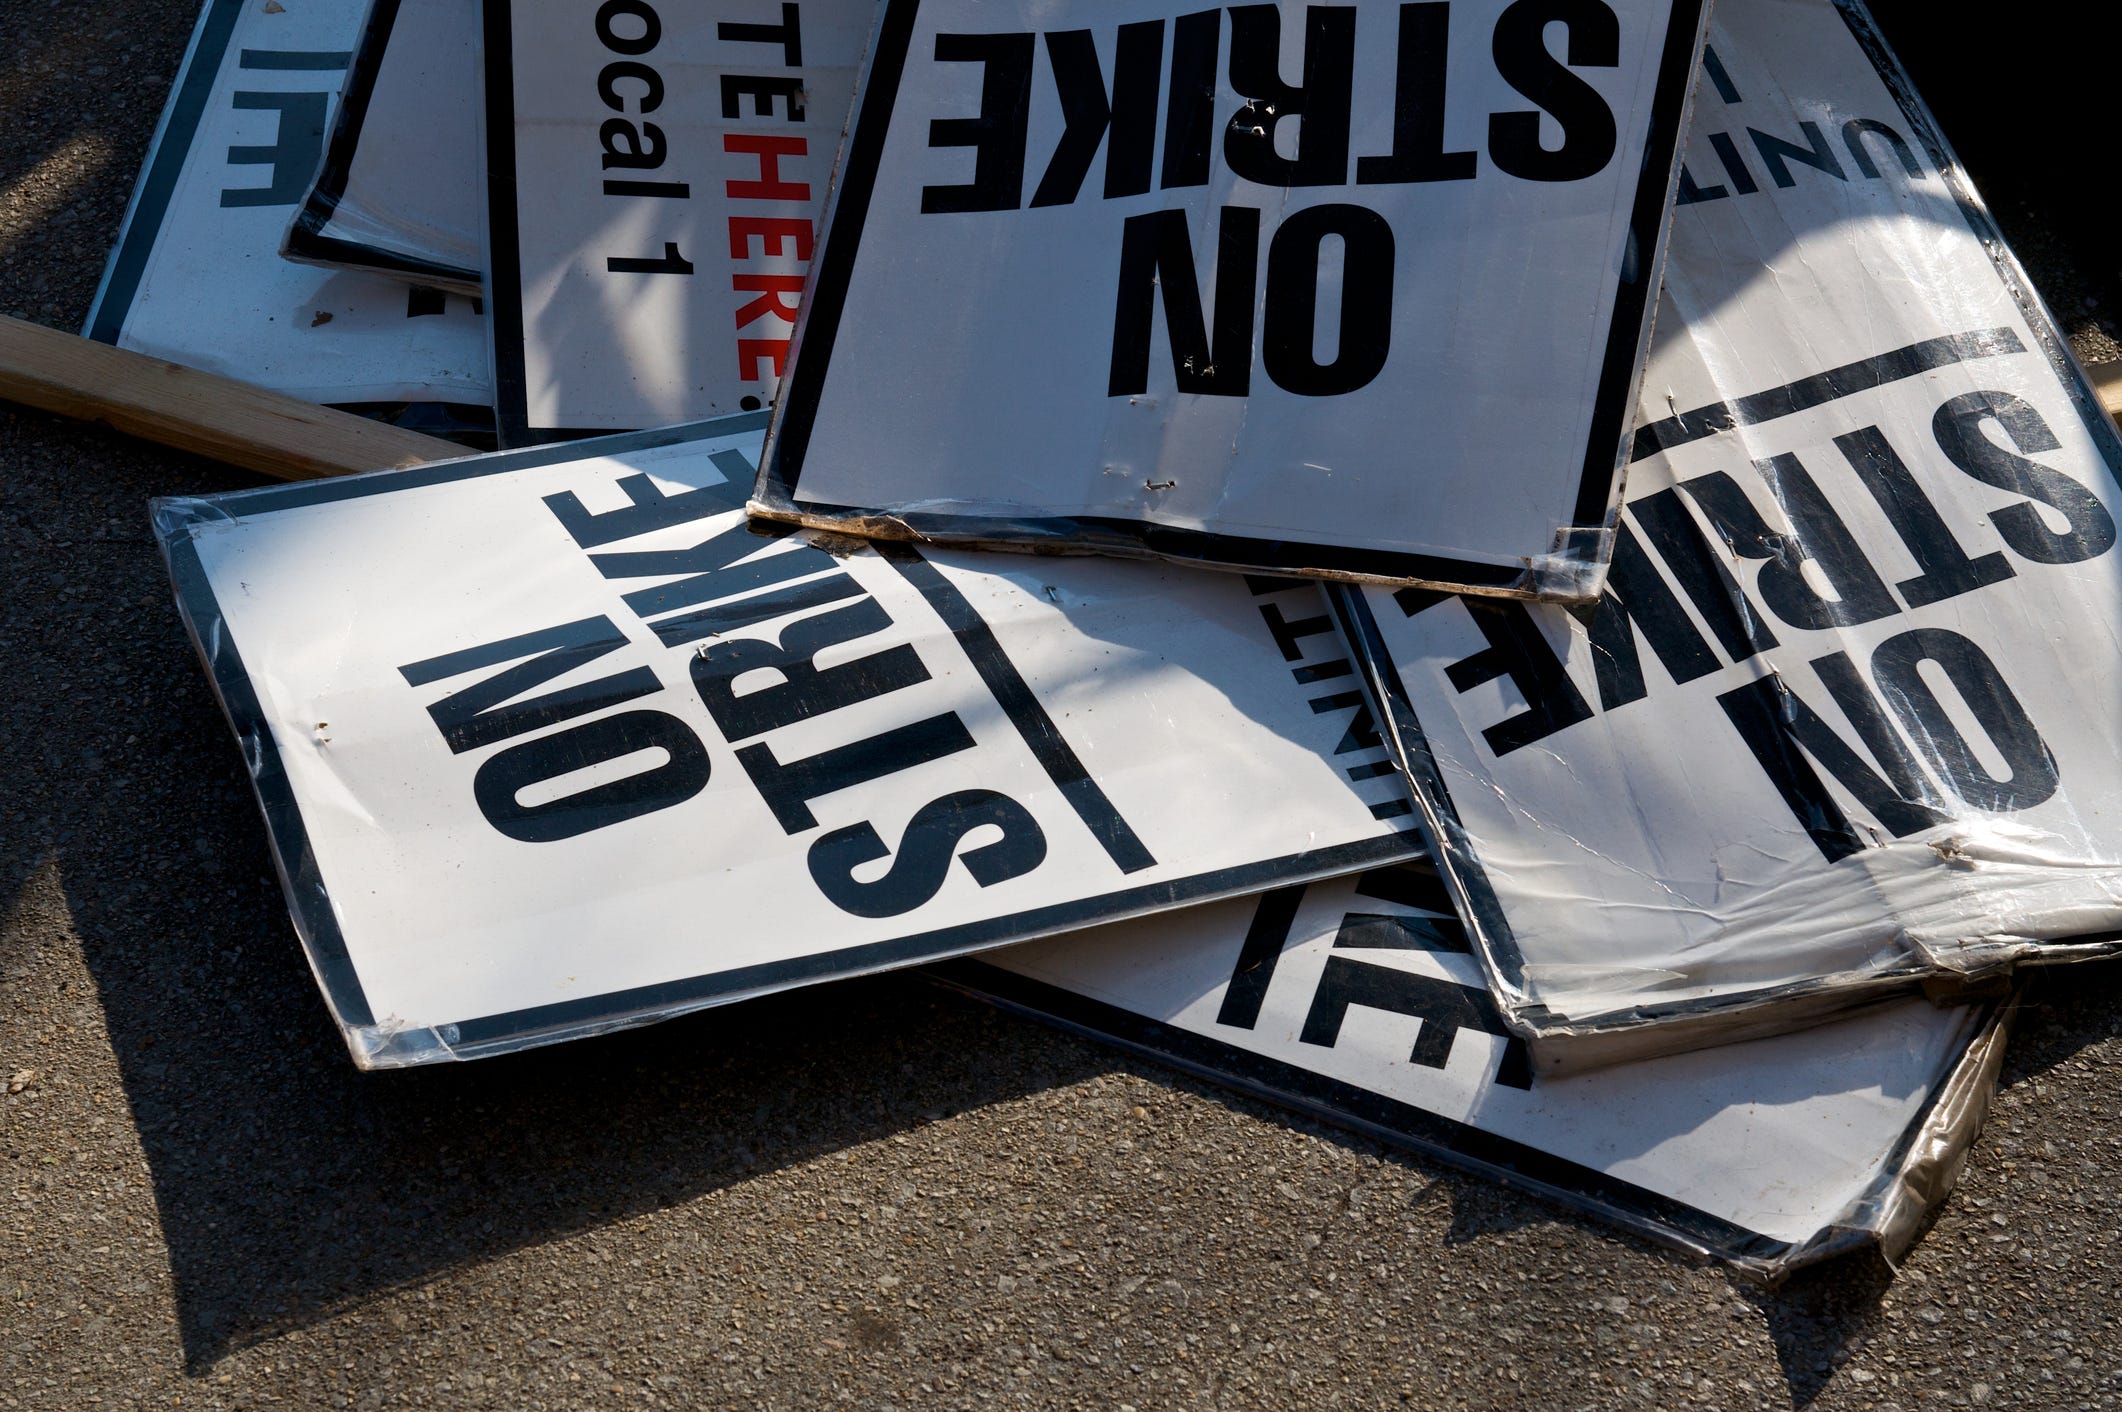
{"x":1343,"y":290}
{"x":550,"y":743}
{"x":654,"y":177}
{"x":196,"y":276}
{"x":1844,"y":716}
{"x":1356,"y":1000}
{"x":397,"y":192}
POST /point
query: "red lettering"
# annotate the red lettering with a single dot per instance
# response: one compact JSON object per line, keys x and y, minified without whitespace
{"x":752,"y":351}
{"x":769,"y":151}
{"x":773,"y":232}
{"x":770,"y":301}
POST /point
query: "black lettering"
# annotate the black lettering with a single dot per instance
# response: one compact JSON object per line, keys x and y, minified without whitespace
{"x":1258,"y":954}
{"x":788,"y":34}
{"x":631,"y":153}
{"x":651,"y":85}
{"x":789,"y":787}
{"x":1742,"y":180}
{"x":1689,"y":192}
{"x":1157,"y":253}
{"x":654,"y":190}
{"x":762,"y":90}
{"x":1414,"y":884}
{"x":1517,"y":649}
{"x":1443,"y":1007}
{"x":608,"y":16}
{"x":735,"y":615}
{"x":997,"y":135}
{"x":925,"y":854}
{"x":2033,"y":769}
{"x":649,"y":509}
{"x":1958,"y":426}
{"x":1947,"y":571}
{"x":1125,"y":122}
{"x":670,"y":262}
{"x":1739,"y":626}
{"x":1637,"y":599}
{"x":478,"y":715}
{"x":1853,"y":134}
{"x":1286,"y":632}
{"x":1365,"y":324}
{"x":1377,"y":931}
{"x":1713,"y":70}
{"x":716,"y":568}
{"x":501,"y":780}
{"x":804,"y":689}
{"x":1781,"y":730}
{"x":1777,"y":155}
{"x":1819,"y":537}
{"x":1190,"y":105}
{"x":1522,"y":58}
{"x":1321,"y":101}
{"x":297,"y":146}
{"x":1874,"y":732}
{"x":1418,"y":104}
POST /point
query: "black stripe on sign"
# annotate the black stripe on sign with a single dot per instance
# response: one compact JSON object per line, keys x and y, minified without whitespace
{"x":1822,"y":388}
{"x":1264,"y":940}
{"x":1055,"y":755}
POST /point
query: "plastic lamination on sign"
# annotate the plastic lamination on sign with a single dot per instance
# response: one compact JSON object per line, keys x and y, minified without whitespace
{"x":1357,"y":1000}
{"x":196,"y":275}
{"x":1348,"y":291}
{"x":398,"y":191}
{"x":1844,"y":716}
{"x":655,"y":173}
{"x":550,"y":742}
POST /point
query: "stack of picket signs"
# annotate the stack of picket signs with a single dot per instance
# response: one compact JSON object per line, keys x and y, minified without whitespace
{"x":1575,"y":628}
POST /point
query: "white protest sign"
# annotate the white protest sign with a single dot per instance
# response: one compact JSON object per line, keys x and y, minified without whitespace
{"x":196,"y":276}
{"x":655,"y":174}
{"x":398,"y":191}
{"x":1352,"y":290}
{"x":551,"y":742}
{"x":1846,"y":712}
{"x":1355,"y":1000}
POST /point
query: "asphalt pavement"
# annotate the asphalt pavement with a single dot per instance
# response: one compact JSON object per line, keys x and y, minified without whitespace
{"x":870,"y":1193}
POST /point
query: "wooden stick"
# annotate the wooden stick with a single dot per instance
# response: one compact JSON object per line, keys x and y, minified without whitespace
{"x":218,"y":417}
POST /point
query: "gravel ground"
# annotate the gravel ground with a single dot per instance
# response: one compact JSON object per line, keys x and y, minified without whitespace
{"x":869,"y":1193}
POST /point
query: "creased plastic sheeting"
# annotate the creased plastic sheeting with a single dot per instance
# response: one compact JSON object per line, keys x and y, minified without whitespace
{"x":398,"y":191}
{"x":1845,"y":716}
{"x":655,"y":174}
{"x":1354,"y":1000}
{"x":196,"y":276}
{"x":1086,"y":286}
{"x":550,"y":743}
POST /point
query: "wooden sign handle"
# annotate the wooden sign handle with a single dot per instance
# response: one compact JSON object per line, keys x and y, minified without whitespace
{"x":268,"y":432}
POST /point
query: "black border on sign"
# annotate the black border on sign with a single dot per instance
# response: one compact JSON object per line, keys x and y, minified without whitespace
{"x":504,"y":244}
{"x":171,"y":146}
{"x":310,"y":901}
{"x":1457,"y":858}
{"x":1597,"y":501}
{"x":1578,"y":1188}
{"x":306,"y":240}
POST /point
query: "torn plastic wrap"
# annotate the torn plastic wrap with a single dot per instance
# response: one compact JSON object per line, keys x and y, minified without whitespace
{"x":397,"y":193}
{"x":550,"y":743}
{"x":1356,"y":1000}
{"x":196,"y":276}
{"x":1844,"y":718}
{"x":654,"y":177}
{"x":1113,"y":278}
